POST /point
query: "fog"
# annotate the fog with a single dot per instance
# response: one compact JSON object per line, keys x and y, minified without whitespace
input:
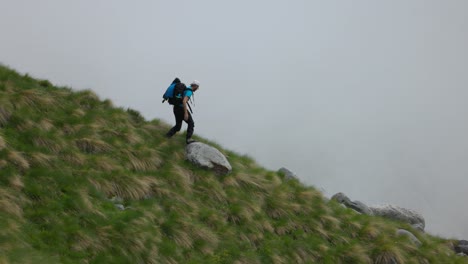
{"x":364,"y":97}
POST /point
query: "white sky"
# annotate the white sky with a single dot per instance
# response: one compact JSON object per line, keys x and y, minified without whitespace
{"x":364,"y":97}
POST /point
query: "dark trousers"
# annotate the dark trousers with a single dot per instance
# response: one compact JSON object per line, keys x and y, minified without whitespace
{"x":179,"y":117}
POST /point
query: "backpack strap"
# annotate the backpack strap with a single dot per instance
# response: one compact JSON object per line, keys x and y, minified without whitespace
{"x":190,"y":108}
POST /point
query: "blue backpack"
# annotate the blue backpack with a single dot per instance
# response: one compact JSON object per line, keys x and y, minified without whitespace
{"x":175,"y":92}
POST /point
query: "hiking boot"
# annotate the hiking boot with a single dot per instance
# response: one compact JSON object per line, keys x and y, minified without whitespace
{"x":169,"y":134}
{"x":190,"y":141}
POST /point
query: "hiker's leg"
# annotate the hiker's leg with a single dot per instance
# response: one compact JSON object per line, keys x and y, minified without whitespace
{"x":179,"y":117}
{"x":190,"y":127}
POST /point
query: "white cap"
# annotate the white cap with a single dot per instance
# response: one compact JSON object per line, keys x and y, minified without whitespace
{"x":195,"y":82}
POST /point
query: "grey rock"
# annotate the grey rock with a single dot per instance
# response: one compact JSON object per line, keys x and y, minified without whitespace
{"x":411,"y":236}
{"x":116,"y":199}
{"x":361,"y":207}
{"x":400,"y":214}
{"x":207,"y":156}
{"x":289,"y":175}
{"x":419,"y":227}
{"x":341,"y":198}
{"x":387,"y":211}
{"x":355,"y":205}
{"x":462,"y":247}
{"x":120,"y":206}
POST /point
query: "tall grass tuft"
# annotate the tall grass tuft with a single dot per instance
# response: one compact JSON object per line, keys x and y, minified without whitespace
{"x":183,"y":178}
{"x":11,"y":203}
{"x":355,"y":253}
{"x":91,"y":146}
{"x":388,"y":253}
{"x":107,"y":164}
{"x":256,"y":183}
{"x":135,"y":116}
{"x":2,"y":142}
{"x":16,"y":183}
{"x":73,"y":158}
{"x":4,"y":116}
{"x":46,"y":125}
{"x":126,"y":187}
{"x":54,"y":146}
{"x":212,"y":190}
{"x":41,"y":159}
{"x":143,"y":161}
{"x":18,"y":159}
{"x":370,"y":230}
{"x":86,"y":99}
{"x":33,"y":98}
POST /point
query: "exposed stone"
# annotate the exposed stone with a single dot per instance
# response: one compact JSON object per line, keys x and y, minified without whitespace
{"x":116,"y":199}
{"x":120,"y":206}
{"x":462,"y":247}
{"x":207,"y":156}
{"x":387,"y":211}
{"x":419,"y":227}
{"x":411,"y":236}
{"x":288,"y":175}
{"x":355,"y":205}
{"x":400,"y":214}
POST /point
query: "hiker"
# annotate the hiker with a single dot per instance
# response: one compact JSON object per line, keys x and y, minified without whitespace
{"x":179,"y":96}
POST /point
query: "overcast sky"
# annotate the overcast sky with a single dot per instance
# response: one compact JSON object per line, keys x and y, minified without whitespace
{"x":363,"y":97}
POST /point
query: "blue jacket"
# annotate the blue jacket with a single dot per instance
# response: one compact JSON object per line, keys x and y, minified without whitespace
{"x":170,"y":91}
{"x":187,"y":93}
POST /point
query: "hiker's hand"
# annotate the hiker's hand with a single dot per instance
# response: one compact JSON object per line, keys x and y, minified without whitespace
{"x":186,"y":116}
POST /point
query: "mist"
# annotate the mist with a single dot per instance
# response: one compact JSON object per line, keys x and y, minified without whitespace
{"x":366,"y":98}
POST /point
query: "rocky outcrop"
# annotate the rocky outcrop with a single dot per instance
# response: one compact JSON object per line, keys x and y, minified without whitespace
{"x":355,"y":205}
{"x":387,"y":211}
{"x":462,"y":247}
{"x":411,"y":236}
{"x":206,"y":156}
{"x":288,"y":175}
{"x":400,"y":214}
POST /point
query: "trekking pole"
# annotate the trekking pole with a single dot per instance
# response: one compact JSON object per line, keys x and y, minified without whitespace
{"x":190,"y":108}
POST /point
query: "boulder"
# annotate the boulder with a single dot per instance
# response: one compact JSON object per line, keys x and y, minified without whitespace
{"x":206,"y":156}
{"x":411,"y":236}
{"x":288,"y":175}
{"x":116,"y":199}
{"x":400,"y":214}
{"x":118,"y":202}
{"x":419,"y":227}
{"x":355,"y":205}
{"x":387,"y":211}
{"x":462,"y":247}
{"x":119,"y":206}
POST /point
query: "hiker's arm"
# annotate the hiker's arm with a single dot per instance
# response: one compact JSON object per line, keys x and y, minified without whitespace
{"x":184,"y":102}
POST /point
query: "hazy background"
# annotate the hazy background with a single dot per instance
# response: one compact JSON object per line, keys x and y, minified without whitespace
{"x":364,"y":97}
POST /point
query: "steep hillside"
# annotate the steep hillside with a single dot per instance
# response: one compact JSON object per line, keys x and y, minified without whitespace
{"x":82,"y":181}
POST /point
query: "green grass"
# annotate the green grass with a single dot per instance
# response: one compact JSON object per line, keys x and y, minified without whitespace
{"x":67,"y":158}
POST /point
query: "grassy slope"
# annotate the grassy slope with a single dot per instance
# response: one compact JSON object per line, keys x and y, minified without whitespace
{"x":64,"y":155}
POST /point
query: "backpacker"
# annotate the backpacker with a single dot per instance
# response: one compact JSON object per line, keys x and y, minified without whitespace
{"x":175,"y":92}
